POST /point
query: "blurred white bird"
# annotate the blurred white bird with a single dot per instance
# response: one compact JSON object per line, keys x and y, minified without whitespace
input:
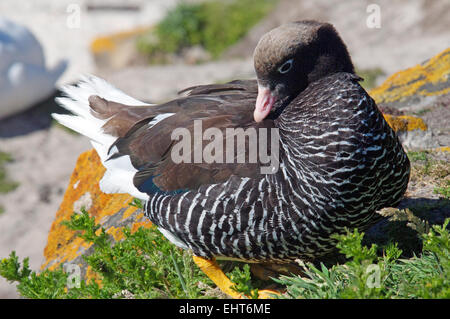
{"x":24,"y":78}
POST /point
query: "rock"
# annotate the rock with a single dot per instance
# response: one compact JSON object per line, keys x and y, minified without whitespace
{"x":422,"y":90}
{"x":412,"y":131}
{"x":416,"y":88}
{"x":196,"y":54}
{"x":112,"y":211}
{"x":118,"y":50}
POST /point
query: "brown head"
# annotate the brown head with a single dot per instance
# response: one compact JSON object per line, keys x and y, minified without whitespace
{"x":293,"y":55}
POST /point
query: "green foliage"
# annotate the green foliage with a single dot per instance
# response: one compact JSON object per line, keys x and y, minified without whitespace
{"x":145,"y":265}
{"x":370,"y":77}
{"x":242,"y":280}
{"x":87,"y":229}
{"x":137,"y":203}
{"x":350,"y":245}
{"x":415,"y":156}
{"x":430,"y":170}
{"x":48,"y":284}
{"x":444,"y":190}
{"x":136,"y":267}
{"x":12,"y":270}
{"x":367,"y":275}
{"x":214,"y":25}
{"x":5,"y":184}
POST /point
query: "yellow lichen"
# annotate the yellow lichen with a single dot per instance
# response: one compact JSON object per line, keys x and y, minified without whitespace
{"x":110,"y":42}
{"x":405,"y":123}
{"x":62,"y":244}
{"x":116,"y":233}
{"x":413,"y":81}
{"x":92,"y":275}
{"x":129,"y":211}
{"x":443,"y":149}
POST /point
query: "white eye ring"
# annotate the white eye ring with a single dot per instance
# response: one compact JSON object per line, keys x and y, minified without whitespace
{"x":286,"y":67}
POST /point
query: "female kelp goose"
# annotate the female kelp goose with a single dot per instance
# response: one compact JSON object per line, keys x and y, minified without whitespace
{"x":339,"y":161}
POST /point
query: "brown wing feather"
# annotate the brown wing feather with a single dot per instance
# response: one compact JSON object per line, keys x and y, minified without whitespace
{"x":220,"y":106}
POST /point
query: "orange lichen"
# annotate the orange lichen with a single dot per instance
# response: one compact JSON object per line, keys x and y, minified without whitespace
{"x":110,"y":42}
{"x":405,"y":123}
{"x":416,"y":80}
{"x":443,"y":149}
{"x":116,"y":233}
{"x":92,"y":275}
{"x":136,"y":225}
{"x":63,"y":245}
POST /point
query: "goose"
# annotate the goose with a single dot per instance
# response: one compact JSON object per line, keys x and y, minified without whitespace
{"x":337,"y":159}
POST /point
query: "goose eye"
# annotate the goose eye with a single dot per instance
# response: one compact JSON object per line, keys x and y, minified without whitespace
{"x":286,"y":67}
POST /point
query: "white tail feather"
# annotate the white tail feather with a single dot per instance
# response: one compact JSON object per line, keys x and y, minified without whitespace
{"x":119,"y":173}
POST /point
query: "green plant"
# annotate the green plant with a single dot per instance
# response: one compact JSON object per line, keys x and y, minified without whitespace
{"x":5,"y":184}
{"x":214,"y":25}
{"x":370,"y":77}
{"x":444,"y":190}
{"x":48,"y":284}
{"x":136,"y":267}
{"x":367,"y":275}
{"x":242,"y":280}
{"x":145,"y":265}
{"x":136,"y":202}
{"x":415,"y":156}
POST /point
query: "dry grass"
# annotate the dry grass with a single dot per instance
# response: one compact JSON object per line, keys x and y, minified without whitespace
{"x":430,"y":171}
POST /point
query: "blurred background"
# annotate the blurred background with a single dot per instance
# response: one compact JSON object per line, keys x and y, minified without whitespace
{"x":151,"y":49}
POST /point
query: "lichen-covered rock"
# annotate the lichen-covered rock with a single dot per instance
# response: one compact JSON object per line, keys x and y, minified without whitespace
{"x":117,"y":50}
{"x":416,"y":88}
{"x":412,"y":131}
{"x":424,"y":91}
{"x":112,"y":211}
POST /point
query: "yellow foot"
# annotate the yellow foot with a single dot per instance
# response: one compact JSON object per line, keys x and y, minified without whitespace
{"x":267,"y":294}
{"x":213,"y":271}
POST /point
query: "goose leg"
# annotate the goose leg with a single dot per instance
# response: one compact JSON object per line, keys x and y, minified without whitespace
{"x":213,"y":271}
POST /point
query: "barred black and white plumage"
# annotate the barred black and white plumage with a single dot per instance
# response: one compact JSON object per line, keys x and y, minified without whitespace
{"x":340,"y":163}
{"x":339,"y":160}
